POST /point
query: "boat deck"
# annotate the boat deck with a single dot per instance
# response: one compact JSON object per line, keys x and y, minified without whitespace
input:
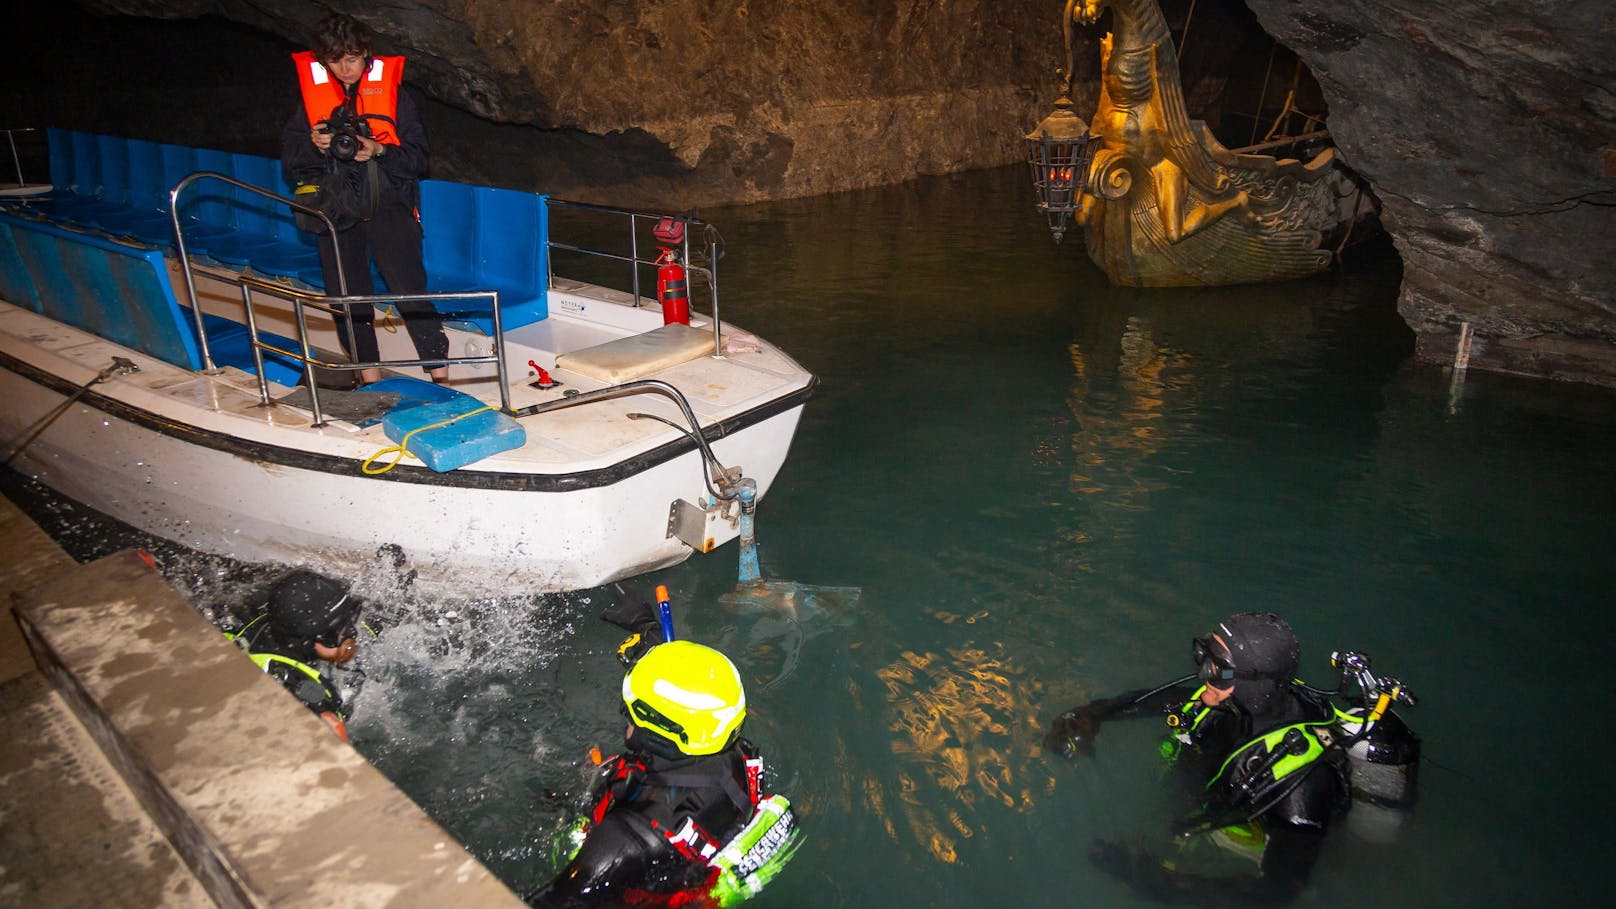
{"x":186,"y":424}
{"x":750,"y":375}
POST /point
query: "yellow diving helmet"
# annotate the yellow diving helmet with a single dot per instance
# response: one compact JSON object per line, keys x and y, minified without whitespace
{"x":687,"y":694}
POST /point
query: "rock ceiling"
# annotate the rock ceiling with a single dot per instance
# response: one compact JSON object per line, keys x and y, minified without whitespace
{"x":1484,"y":126}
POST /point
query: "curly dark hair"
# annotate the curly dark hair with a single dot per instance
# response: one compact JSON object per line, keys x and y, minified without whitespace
{"x":339,"y":35}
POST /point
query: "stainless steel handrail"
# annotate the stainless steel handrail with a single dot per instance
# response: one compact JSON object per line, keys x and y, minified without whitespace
{"x":645,"y":386}
{"x":338,"y":305}
{"x":709,"y":233}
{"x":334,"y":305}
{"x":16,"y":159}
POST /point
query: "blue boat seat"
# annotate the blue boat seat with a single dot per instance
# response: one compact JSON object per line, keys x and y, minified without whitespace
{"x":146,"y":212}
{"x":75,"y":163}
{"x":230,"y":345}
{"x":15,"y":284}
{"x":254,"y":232}
{"x":485,"y":238}
{"x":121,"y":292}
{"x":475,"y":238}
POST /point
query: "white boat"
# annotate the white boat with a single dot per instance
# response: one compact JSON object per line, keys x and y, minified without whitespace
{"x":199,"y":443}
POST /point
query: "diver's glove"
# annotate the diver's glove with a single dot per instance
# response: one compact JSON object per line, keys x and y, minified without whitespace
{"x":1114,"y":858}
{"x":1072,"y":734}
{"x":639,"y":618}
{"x":1136,"y":866}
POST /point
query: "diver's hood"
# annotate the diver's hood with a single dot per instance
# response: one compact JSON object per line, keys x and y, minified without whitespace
{"x":639,"y":740}
{"x":305,"y":605}
{"x":1260,"y":643}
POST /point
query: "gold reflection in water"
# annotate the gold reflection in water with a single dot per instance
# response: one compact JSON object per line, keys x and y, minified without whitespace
{"x":1125,"y":424}
{"x":1123,"y":381}
{"x":952,"y":717}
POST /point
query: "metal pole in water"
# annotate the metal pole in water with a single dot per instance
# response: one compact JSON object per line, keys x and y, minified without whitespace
{"x":1461,"y":363}
{"x":746,"y":491}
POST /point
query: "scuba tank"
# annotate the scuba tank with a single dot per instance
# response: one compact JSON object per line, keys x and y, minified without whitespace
{"x":1385,"y":762}
{"x":1383,"y":752}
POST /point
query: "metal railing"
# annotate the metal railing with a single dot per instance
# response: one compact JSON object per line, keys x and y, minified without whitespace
{"x":714,"y":251}
{"x":336,"y":306}
{"x":23,"y":187}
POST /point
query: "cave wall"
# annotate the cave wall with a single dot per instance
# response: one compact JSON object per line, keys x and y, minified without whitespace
{"x":745,"y":101}
{"x":1486,"y":130}
{"x":1483,"y":126}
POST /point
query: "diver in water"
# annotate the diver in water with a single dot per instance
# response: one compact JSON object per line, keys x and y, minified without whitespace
{"x":681,"y":816}
{"x":1266,"y":756}
{"x":308,"y":626}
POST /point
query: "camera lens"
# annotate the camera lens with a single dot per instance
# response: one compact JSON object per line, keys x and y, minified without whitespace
{"x":344,"y":145}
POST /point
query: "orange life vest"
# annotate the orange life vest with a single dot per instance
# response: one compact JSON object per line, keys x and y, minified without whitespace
{"x":377,"y":96}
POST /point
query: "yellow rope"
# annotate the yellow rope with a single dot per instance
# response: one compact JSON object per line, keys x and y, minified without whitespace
{"x":402,"y":448}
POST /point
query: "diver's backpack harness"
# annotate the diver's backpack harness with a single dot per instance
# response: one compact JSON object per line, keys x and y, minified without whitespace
{"x":269,"y":662}
{"x":736,"y":869}
{"x":1275,"y":763}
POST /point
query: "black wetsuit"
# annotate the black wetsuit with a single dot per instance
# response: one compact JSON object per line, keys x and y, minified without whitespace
{"x":1293,"y":812}
{"x":292,"y":665}
{"x":392,"y":237}
{"x":641,"y":803}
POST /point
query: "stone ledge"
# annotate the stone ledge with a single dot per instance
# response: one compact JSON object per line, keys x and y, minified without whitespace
{"x":74,"y":835}
{"x":265,"y":804}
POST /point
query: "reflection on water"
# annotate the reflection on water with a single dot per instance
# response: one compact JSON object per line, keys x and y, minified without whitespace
{"x":951,"y":720}
{"x":1019,"y":489}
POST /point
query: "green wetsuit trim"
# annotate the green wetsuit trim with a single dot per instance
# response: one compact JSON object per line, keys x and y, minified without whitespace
{"x":263,"y":660}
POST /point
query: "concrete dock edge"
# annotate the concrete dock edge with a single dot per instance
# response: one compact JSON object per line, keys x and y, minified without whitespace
{"x":266,"y":806}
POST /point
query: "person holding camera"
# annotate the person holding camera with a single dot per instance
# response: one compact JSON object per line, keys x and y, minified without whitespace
{"x":356,"y":149}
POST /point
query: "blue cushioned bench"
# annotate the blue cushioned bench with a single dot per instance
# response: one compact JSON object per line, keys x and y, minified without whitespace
{"x":119,"y":291}
{"x":475,"y":237}
{"x":121,"y":186}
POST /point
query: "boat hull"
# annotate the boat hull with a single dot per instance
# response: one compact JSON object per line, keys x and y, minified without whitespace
{"x":465,"y":533}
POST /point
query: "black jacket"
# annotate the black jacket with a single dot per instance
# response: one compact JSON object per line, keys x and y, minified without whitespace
{"x":402,"y":167}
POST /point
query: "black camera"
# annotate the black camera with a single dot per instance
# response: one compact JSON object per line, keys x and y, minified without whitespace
{"x":345,"y":128}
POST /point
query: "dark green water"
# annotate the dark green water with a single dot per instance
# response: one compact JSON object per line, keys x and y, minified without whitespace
{"x":1042,"y":487}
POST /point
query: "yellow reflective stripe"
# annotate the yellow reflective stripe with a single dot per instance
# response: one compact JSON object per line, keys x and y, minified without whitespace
{"x":1195,"y":699}
{"x":232,"y":637}
{"x":264,"y":659}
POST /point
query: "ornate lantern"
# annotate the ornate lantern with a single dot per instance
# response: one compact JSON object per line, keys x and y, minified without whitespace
{"x":1059,"y":150}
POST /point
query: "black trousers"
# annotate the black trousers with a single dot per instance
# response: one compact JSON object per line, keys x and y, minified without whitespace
{"x":393,"y":240}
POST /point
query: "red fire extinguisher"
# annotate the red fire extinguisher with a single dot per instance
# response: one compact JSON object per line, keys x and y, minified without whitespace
{"x":672,"y":290}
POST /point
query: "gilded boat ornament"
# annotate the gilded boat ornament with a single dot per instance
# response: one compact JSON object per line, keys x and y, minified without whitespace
{"x":1162,"y":203}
